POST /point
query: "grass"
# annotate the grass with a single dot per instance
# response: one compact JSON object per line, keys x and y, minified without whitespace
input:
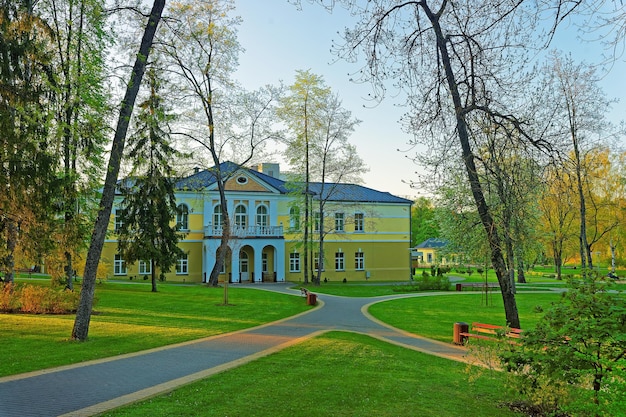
{"x":128,"y":318}
{"x":434,"y":317}
{"x":336,"y":374}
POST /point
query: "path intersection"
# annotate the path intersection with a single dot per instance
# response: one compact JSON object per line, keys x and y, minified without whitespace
{"x":101,"y":385}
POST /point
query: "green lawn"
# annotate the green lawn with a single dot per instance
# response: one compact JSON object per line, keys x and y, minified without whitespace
{"x":340,"y":374}
{"x":128,"y":318}
{"x":336,"y":374}
{"x":434,"y":317}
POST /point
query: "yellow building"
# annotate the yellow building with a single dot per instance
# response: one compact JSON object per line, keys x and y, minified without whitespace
{"x":428,"y":253}
{"x":366,"y":232}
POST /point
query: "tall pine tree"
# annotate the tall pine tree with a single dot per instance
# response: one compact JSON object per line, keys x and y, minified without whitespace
{"x":149,"y":206}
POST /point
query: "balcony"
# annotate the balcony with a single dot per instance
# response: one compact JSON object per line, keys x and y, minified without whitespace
{"x":246,"y":232}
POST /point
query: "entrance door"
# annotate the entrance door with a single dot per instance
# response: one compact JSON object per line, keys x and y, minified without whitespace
{"x":243,"y":265}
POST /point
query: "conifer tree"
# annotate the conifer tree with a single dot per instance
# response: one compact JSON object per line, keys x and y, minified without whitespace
{"x":147,"y":232}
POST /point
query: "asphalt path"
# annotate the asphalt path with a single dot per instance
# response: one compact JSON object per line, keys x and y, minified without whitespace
{"x":93,"y":387}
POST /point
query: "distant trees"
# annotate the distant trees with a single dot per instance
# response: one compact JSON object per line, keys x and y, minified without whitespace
{"x":423,"y":221}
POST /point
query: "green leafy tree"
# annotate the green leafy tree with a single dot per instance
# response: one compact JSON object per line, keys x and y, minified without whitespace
{"x":79,"y":124}
{"x":27,"y":175}
{"x":423,"y":222}
{"x":147,"y":232}
{"x":578,"y":350}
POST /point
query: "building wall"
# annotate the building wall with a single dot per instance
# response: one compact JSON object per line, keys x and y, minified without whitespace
{"x":384,"y":241}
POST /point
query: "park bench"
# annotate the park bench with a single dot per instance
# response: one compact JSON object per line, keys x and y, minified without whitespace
{"x":489,"y":332}
{"x":479,"y":285}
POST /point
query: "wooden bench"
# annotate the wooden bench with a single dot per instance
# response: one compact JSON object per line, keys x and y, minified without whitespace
{"x":490,"y":332}
{"x":480,"y":285}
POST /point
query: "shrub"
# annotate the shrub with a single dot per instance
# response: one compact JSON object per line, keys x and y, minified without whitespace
{"x":8,"y":301}
{"x":38,"y":300}
{"x":427,"y":283}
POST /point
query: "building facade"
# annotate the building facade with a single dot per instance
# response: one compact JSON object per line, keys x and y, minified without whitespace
{"x":366,"y":232}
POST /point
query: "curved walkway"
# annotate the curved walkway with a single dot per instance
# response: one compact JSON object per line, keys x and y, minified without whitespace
{"x":93,"y":387}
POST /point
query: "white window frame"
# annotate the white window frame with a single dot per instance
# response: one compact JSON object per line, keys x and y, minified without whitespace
{"x":217,"y":216}
{"x":340,"y":261}
{"x":182,"y":217}
{"x":182,"y":265}
{"x":317,"y":221}
{"x":359,"y":222}
{"x":145,"y":267}
{"x":294,"y":262}
{"x":241,"y":216}
{"x":294,"y":218}
{"x":262,"y":219}
{"x":118,"y":220}
{"x":339,"y":222}
{"x":359,"y":261}
{"x":119,"y":265}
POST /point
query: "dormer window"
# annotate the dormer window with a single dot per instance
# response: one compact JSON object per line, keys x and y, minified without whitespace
{"x":242,"y":180}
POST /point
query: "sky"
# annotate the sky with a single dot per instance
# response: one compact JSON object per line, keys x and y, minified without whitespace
{"x":279,"y":39}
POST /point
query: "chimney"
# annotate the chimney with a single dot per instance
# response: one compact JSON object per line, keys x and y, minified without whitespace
{"x":273,"y":170}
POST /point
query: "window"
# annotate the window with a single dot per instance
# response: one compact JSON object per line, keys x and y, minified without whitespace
{"x":264,"y":262}
{"x":338,"y":222}
{"x":217,"y":216}
{"x":240,"y":216}
{"x":242,"y":180}
{"x":430,"y":258}
{"x":316,"y":261}
{"x":261,"y":216}
{"x":119,"y":222}
{"x":182,"y":217}
{"x":182,"y":266}
{"x":294,"y":262}
{"x":294,"y":218}
{"x":119,"y":265}
{"x":145,"y":267}
{"x":316,"y":221}
{"x":359,"y":261}
{"x":359,"y":223}
{"x":339,"y":261}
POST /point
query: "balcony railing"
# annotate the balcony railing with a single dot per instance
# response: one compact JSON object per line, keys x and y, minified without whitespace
{"x":245,"y":232}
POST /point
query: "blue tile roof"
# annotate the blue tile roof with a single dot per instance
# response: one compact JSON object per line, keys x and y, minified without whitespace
{"x":332,"y":191}
{"x":432,"y":243}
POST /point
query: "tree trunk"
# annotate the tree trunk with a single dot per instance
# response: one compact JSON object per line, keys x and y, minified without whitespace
{"x":497,"y":258}
{"x":153,"y":275}
{"x":12,"y":235}
{"x":83,"y":314}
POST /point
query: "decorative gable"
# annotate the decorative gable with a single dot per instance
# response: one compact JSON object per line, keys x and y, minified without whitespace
{"x":241,"y":181}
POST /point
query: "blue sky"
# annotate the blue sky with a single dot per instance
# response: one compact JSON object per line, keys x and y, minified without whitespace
{"x":280,"y":39}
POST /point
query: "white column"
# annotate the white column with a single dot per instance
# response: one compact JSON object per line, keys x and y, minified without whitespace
{"x":258,"y":262}
{"x":279,"y":261}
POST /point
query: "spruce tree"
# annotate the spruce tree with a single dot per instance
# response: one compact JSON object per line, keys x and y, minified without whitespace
{"x":149,"y":204}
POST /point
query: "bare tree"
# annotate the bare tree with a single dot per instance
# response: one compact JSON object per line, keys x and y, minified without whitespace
{"x":454,"y":61}
{"x":200,"y":45}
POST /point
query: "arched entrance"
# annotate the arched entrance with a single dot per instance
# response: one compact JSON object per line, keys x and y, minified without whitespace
{"x":244,"y":266}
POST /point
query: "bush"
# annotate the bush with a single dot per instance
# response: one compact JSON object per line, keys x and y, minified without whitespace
{"x":427,"y":283}
{"x":37,"y":300}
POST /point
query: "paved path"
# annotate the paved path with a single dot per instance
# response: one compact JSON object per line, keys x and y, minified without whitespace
{"x":93,"y":387}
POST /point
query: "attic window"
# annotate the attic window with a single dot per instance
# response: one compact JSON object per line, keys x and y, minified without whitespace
{"x":242,"y":180}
